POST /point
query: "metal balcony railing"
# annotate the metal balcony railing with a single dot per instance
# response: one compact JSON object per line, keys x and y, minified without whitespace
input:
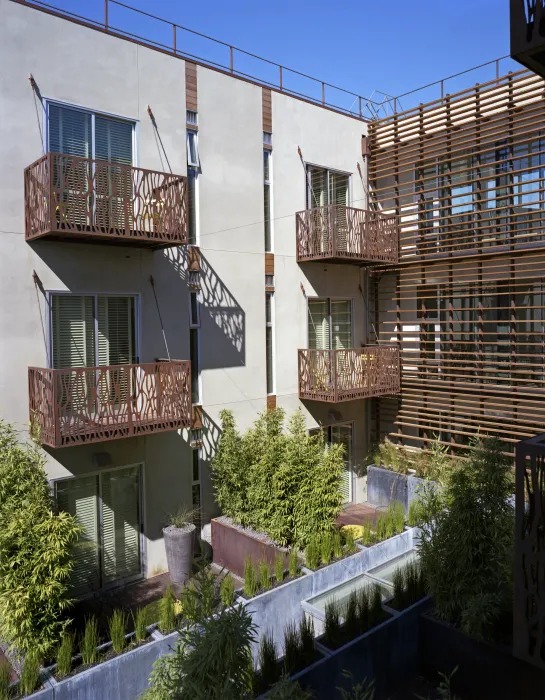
{"x":95,"y":200}
{"x":93,"y":404}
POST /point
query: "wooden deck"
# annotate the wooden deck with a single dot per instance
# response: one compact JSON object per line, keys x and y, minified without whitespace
{"x":357,"y":514}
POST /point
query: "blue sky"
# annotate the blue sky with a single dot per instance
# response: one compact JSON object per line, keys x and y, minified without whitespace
{"x":360,"y":45}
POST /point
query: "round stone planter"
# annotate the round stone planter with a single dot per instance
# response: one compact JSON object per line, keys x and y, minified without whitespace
{"x":179,"y":542}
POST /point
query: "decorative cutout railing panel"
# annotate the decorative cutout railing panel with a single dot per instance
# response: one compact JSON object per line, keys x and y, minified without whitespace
{"x":345,"y":375}
{"x":529,"y":608}
{"x":79,"y":198}
{"x":346,"y":234}
{"x":93,"y":404}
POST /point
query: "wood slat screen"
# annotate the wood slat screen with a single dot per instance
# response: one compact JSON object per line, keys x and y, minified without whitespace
{"x":466,"y":304}
{"x":191,"y":95}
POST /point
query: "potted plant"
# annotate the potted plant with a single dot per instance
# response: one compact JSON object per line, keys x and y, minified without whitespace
{"x":179,"y":537}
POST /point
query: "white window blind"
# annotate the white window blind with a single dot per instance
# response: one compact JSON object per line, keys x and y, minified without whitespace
{"x":113,"y":140}
{"x":70,"y":131}
{"x":342,"y":435}
{"x":193,"y":159}
{"x":116,"y":337}
{"x":341,"y":324}
{"x":318,"y":325}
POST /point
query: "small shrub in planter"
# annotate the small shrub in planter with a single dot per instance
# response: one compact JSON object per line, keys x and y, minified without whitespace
{"x":376,"y":613}
{"x":293,"y":562}
{"x":337,"y":545}
{"x":291,"y":648}
{"x":118,"y":629}
{"x":227,"y":591}
{"x":381,"y":526}
{"x":413,"y":514}
{"x":64,"y":655}
{"x":351,"y":622}
{"x":367,"y":537}
{"x":349,"y":539}
{"x":167,"y":613}
{"x":250,"y":579}
{"x":264,"y":576}
{"x":140,"y":622}
{"x":30,"y":673}
{"x":88,"y":646}
{"x":286,"y":689}
{"x":396,"y":512}
{"x":326,"y":548}
{"x":306,"y":635}
{"x":4,"y":678}
{"x":363,"y":609}
{"x":332,"y":625}
{"x":267,"y":661}
{"x":279,"y":568}
{"x":312,"y":554}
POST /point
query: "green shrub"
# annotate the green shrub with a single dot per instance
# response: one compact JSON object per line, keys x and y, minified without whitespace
{"x":250,"y":578}
{"x":312,"y":554}
{"x":375,"y":607}
{"x":264,"y":575}
{"x":35,"y":550}
{"x":381,"y":526}
{"x":89,"y":643}
{"x":363,"y":609}
{"x":306,"y":635}
{"x":349,"y":542}
{"x":210,"y":660}
{"x":332,"y":624}
{"x":64,"y":655}
{"x":359,"y":691}
{"x":367,"y":538}
{"x":286,"y":689}
{"x":30,"y":673}
{"x":267,"y":660}
{"x":292,"y":648}
{"x":5,"y":672}
{"x":397,"y":515}
{"x":466,"y":549}
{"x":279,"y":568}
{"x":293,"y":561}
{"x":326,"y":548}
{"x":227,"y":590}
{"x":118,"y":629}
{"x":167,"y":613}
{"x":398,"y":581}
{"x":391,"y":456}
{"x":413,"y":515}
{"x":285,"y":483}
{"x":351,"y":622}
{"x":337,"y":545}
{"x":140,"y":622}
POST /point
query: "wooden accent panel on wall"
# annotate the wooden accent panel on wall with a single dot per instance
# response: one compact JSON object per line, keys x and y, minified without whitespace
{"x":271,"y":402}
{"x":191,"y":86}
{"x":269,"y":263}
{"x":267,"y":110}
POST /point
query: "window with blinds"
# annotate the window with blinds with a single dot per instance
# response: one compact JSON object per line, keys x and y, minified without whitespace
{"x":192,"y":199}
{"x":267,"y":202}
{"x":108,"y":508}
{"x":90,"y":330}
{"x":269,"y":341}
{"x":326,"y":187}
{"x":329,"y":324}
{"x":342,"y":435}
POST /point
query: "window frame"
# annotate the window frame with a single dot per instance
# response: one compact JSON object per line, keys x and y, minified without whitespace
{"x":267,"y":154}
{"x":272,"y":325}
{"x":327,"y":430}
{"x":192,"y":134}
{"x":93,"y":112}
{"x":329,"y":300}
{"x":196,"y":328}
{"x":50,"y":293}
{"x":53,"y":482}
{"x":327,"y":171}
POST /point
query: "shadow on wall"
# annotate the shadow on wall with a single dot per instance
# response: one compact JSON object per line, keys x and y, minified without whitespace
{"x":223,"y":321}
{"x":211,"y":432}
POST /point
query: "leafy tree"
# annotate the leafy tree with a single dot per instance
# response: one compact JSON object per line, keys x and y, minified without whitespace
{"x":467,"y":549}
{"x":211,"y":661}
{"x":35,"y":547}
{"x":230,"y":473}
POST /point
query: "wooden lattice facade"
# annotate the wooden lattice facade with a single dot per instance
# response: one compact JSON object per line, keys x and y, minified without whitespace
{"x":465,"y":176}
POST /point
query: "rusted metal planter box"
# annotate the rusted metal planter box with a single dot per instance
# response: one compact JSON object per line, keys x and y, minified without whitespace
{"x":232,"y":545}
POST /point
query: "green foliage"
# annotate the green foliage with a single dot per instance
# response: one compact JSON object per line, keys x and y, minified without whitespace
{"x":267,"y":660}
{"x":332,"y":624}
{"x":444,"y":690}
{"x":118,"y":629}
{"x":185,"y":515}
{"x":284,"y":483}
{"x":167,"y":614}
{"x":363,"y":609}
{"x":286,"y":689}
{"x":30,"y":673}
{"x":293,"y":561}
{"x":264,"y":575}
{"x":396,"y":513}
{"x":4,"y":678}
{"x":279,"y":568}
{"x":64,"y":655}
{"x":337,"y":545}
{"x":433,"y":463}
{"x":358,"y":691}
{"x":201,"y":597}
{"x":349,"y":541}
{"x":351,"y":622}
{"x":467,"y":549}
{"x":227,"y":590}
{"x":140,"y":622}
{"x":391,"y":456}
{"x":414,"y":515}
{"x":312,"y":553}
{"x":250,"y":579}
{"x":210,"y":660}
{"x":398,"y":582}
{"x":381,"y":526}
{"x":375,"y":607}
{"x":326,"y":548}
{"x":306,"y":635}
{"x":35,"y":548}
{"x":88,"y":644}
{"x":292,"y":648}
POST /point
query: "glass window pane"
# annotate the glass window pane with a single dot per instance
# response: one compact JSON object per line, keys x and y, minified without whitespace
{"x":194,"y":309}
{"x":270,"y":376}
{"x":192,"y":205}
{"x":194,"y":359}
{"x":196,"y":465}
{"x":341,"y":324}
{"x":318,"y":325}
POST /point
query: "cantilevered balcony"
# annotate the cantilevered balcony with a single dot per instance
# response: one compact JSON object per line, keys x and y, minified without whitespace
{"x":94,"y":404}
{"x":345,"y":375}
{"x":344,"y":234}
{"x":67,"y":197}
{"x":527,"y":28}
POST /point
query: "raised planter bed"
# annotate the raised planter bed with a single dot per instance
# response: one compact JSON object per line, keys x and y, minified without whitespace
{"x":484,"y":670}
{"x":386,"y":485}
{"x":232,"y":544}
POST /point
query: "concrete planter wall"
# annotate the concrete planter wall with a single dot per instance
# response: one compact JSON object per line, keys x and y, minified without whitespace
{"x":231,"y":546}
{"x":385,"y":655}
{"x":271,"y":611}
{"x":385,"y":486}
